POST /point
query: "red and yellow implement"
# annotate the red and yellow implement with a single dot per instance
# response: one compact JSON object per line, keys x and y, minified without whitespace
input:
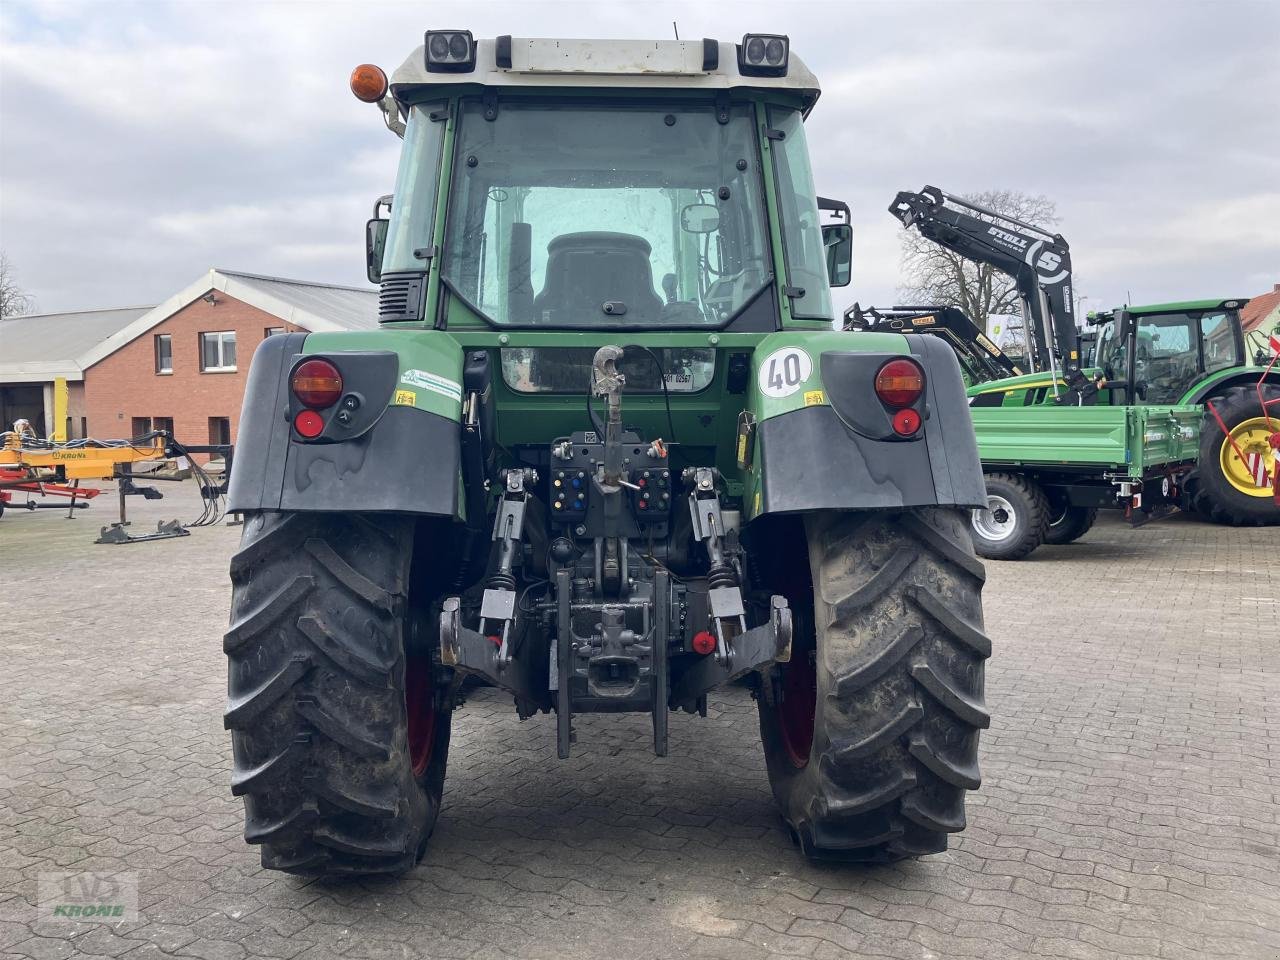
{"x":75,"y":459}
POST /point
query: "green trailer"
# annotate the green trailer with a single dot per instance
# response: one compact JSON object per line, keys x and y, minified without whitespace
{"x":1049,"y":469}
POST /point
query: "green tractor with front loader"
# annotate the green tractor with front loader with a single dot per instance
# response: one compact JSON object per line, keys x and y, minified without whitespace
{"x":1171,"y":409}
{"x":605,"y":453}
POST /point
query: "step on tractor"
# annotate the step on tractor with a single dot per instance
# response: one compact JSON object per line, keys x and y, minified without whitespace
{"x":605,"y":453}
{"x":1169,"y":410}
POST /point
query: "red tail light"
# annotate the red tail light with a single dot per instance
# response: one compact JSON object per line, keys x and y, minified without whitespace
{"x":900,"y":383}
{"x":906,"y":422}
{"x":317,"y":384}
{"x":309,"y":424}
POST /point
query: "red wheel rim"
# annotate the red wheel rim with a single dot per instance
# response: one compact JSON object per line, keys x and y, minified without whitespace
{"x":799,"y":703}
{"x":419,"y":701}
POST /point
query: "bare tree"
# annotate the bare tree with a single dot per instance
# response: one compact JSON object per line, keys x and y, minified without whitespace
{"x":13,"y":299}
{"x":934,"y":274}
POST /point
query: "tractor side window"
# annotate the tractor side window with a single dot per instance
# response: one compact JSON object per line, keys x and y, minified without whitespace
{"x":1217,"y":334}
{"x":1166,"y":356}
{"x":414,"y":207}
{"x":801,"y":229}
{"x":1110,"y":353}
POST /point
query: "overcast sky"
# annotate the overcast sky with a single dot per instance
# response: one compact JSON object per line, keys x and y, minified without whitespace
{"x":141,"y":144}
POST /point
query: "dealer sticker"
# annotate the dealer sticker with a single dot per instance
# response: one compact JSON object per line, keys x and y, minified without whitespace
{"x":783,"y":371}
{"x":433,"y":382}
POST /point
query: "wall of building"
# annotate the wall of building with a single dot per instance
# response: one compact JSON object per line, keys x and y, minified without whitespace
{"x":125,"y":388}
{"x":77,"y":412}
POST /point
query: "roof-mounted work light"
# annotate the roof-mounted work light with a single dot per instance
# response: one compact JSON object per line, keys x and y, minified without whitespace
{"x":450,"y":51}
{"x":763,"y":55}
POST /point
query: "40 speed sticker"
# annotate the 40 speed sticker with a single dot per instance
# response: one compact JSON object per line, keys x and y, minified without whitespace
{"x":783,"y":371}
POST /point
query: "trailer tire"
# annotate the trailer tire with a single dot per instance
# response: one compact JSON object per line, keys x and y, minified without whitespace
{"x":871,"y":733}
{"x":1068,"y":523}
{"x":1015,"y":520}
{"x":1219,"y":483}
{"x":339,"y":734}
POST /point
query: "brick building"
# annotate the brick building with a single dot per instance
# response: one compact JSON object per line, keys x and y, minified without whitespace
{"x":180,"y":365}
{"x":37,"y":349}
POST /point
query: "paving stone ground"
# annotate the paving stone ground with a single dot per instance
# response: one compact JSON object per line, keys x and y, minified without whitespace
{"x":1129,"y":805}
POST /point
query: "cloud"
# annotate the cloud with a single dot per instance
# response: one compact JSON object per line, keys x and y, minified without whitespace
{"x":143,"y":143}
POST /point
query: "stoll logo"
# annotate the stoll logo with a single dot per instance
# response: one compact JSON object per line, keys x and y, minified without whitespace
{"x":1008,"y":239}
{"x":110,"y":897}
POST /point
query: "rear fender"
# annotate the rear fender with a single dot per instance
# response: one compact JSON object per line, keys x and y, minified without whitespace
{"x":827,"y":443}
{"x":400,"y":452}
{"x":1229,"y":379}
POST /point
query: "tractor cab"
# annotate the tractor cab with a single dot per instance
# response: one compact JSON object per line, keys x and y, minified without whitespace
{"x":539,"y":189}
{"x":1158,"y":354}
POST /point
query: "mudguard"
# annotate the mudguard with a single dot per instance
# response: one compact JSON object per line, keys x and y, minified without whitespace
{"x":1228,"y":379}
{"x":835,"y":449}
{"x":402,"y":453}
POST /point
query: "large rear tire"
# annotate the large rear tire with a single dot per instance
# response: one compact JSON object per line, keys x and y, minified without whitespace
{"x":339,"y":734}
{"x":1224,"y":489}
{"x":1014,"y":521}
{"x":871,"y":738}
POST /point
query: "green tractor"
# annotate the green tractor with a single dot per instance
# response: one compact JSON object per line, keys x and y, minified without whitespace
{"x":1195,"y":354}
{"x":607,"y":454}
{"x":1168,"y":408}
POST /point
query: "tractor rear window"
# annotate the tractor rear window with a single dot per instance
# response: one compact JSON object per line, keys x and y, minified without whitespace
{"x":568,"y":369}
{"x":606,"y":215}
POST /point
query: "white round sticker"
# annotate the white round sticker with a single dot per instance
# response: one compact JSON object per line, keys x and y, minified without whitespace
{"x":784,"y":371}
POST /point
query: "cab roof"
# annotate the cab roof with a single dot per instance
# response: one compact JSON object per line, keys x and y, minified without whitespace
{"x":605,"y":64}
{"x":1217,"y":304}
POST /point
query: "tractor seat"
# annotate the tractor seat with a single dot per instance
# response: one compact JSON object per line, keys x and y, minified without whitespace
{"x":587,"y":270}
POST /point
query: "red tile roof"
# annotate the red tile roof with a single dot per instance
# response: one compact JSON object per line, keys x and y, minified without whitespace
{"x":1259,"y":308}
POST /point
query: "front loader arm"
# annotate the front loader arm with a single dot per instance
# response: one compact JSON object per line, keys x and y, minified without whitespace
{"x":1039,"y":263}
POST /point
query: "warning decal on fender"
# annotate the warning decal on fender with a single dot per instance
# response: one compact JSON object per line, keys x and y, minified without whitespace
{"x":404,"y":398}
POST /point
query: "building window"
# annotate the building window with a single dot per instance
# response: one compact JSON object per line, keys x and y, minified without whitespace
{"x":272,"y":331}
{"x":219,"y":430}
{"x":163,"y":423}
{"x":164,"y":353}
{"x":141,"y":426}
{"x":218,"y":351}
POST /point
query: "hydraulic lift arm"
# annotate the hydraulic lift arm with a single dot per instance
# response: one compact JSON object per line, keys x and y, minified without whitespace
{"x":1039,"y":263}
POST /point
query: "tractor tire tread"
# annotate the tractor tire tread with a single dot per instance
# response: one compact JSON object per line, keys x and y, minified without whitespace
{"x":316,"y":696}
{"x":900,"y":689}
